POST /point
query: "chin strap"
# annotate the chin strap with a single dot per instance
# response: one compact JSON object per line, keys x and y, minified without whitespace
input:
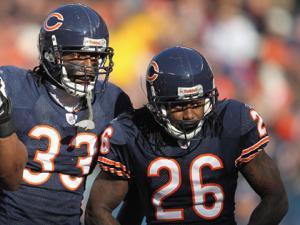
{"x":89,"y":123}
{"x":179,"y":134}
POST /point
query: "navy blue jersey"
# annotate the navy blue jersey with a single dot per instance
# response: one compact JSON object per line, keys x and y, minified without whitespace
{"x":60,"y":154}
{"x":191,"y":184}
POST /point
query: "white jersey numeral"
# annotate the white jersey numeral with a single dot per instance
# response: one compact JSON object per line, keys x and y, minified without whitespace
{"x":46,"y":158}
{"x":105,"y":143}
{"x":261,"y":128}
{"x":199,"y":190}
{"x":173,"y":169}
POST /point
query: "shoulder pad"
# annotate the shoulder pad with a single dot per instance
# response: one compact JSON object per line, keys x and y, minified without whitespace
{"x":247,"y":122}
{"x":236,"y":117}
{"x":114,"y":100}
{"x":120,"y":129}
{"x":11,"y":70}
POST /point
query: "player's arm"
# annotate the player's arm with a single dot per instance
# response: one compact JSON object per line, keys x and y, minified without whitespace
{"x":131,"y":205}
{"x":13,"y":157}
{"x":13,"y":153}
{"x":106,"y":194}
{"x":263,"y":176}
{"x":131,"y":212}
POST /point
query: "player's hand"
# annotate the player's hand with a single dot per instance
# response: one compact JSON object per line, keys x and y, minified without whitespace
{"x":6,"y":125}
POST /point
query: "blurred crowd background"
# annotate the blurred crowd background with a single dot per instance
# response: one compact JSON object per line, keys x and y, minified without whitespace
{"x":253,"y":47}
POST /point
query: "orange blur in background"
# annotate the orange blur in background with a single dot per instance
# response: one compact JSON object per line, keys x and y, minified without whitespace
{"x":253,"y":47}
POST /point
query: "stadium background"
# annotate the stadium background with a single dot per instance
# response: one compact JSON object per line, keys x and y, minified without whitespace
{"x":253,"y":47}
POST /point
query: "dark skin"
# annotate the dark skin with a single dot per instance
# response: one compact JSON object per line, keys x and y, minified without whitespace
{"x":100,"y":206}
{"x":106,"y":194}
{"x":191,"y":111}
{"x":261,"y":173}
{"x":131,"y":206}
{"x":263,"y":176}
{"x":82,"y":59}
{"x":14,"y":157}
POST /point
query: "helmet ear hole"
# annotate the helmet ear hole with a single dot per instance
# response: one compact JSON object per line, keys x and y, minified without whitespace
{"x":49,"y":57}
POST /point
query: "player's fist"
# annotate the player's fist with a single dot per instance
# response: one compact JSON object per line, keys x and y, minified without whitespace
{"x":6,"y":125}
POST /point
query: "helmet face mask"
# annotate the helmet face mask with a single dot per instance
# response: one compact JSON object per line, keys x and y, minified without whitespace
{"x":182,"y":129}
{"x":81,"y":32}
{"x":178,"y":78}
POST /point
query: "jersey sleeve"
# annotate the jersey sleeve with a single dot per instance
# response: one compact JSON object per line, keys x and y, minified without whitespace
{"x":13,"y":80}
{"x":113,"y":155}
{"x":254,"y":135}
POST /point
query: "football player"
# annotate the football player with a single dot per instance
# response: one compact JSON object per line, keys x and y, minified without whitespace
{"x":184,"y":150}
{"x":59,"y":109}
{"x":13,"y":153}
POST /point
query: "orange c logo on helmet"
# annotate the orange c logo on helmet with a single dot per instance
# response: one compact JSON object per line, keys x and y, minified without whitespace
{"x":55,"y":26}
{"x":153,"y":76}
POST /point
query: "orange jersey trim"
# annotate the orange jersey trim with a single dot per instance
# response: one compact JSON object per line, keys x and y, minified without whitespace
{"x":254,"y":149}
{"x":113,"y":167}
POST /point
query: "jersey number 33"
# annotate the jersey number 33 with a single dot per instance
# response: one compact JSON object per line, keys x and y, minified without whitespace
{"x":46,"y":158}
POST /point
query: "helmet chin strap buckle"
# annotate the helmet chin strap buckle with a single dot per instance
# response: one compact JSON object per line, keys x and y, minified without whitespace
{"x":183,"y":144}
{"x":86,"y":124}
{"x":89,"y":123}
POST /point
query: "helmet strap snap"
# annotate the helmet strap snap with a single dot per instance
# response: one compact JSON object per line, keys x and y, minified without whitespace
{"x":89,"y":123}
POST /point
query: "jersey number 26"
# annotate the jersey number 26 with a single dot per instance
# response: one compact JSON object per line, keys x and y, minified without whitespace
{"x":199,"y":189}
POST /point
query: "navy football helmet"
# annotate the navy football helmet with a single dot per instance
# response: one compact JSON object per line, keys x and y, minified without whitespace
{"x":179,"y":75}
{"x":75,"y":28}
